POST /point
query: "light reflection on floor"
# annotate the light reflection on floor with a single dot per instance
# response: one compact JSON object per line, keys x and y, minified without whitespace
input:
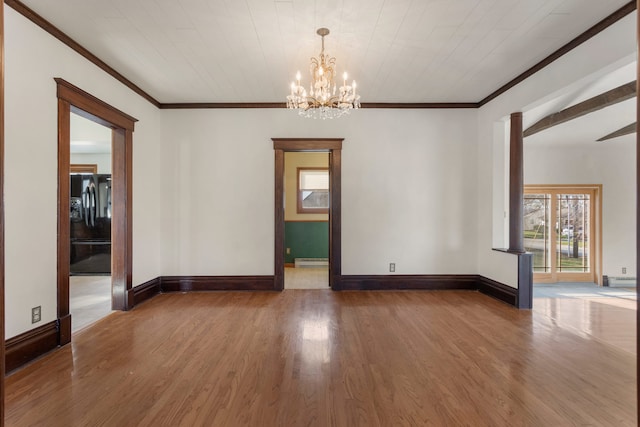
{"x":89,"y":300}
{"x":607,"y":315}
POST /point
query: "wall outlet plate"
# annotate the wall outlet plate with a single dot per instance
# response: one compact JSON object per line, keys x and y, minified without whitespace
{"x":392,"y":267}
{"x":624,"y":270}
{"x":36,"y":314}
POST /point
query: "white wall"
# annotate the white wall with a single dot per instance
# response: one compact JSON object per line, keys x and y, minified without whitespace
{"x":615,"y":45}
{"x":103,"y":161}
{"x":612,"y":164}
{"x":407,"y":189}
{"x":33,"y":59}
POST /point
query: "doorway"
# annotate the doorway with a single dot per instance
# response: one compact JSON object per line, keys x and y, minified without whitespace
{"x":563,"y":229}
{"x":333,"y":147}
{"x":90,"y":222}
{"x":306,"y":215}
{"x":72,"y":99}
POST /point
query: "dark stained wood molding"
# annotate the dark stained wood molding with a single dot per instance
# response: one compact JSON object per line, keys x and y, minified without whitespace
{"x":525,"y":281}
{"x":93,"y":108}
{"x":47,"y":26}
{"x":606,"y":99}
{"x":216,"y":283}
{"x":220,"y":105}
{"x":516,"y":185}
{"x":470,"y":282}
{"x":64,"y":38}
{"x":591,"y":32}
{"x":74,"y":99}
{"x":387,"y":105}
{"x":334,"y":147}
{"x":627,"y":130}
{"x":64,"y":232}
{"x":307,"y":144}
{"x":278,"y":218}
{"x":2,"y":255}
{"x":420,"y":105}
{"x":30,"y":345}
{"x":335,"y":218}
{"x":83,"y":168}
{"x":406,"y":282}
{"x":637,"y":40}
{"x":497,"y":290}
{"x":64,"y":330}
{"x":146,"y":291}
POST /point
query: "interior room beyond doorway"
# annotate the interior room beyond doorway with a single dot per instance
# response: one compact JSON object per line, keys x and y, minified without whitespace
{"x":90,"y":222}
{"x":306,"y":182}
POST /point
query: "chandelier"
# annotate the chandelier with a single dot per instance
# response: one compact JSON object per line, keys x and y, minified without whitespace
{"x":325,"y":99}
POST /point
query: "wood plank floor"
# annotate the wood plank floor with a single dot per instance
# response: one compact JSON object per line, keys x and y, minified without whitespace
{"x":321,"y":358}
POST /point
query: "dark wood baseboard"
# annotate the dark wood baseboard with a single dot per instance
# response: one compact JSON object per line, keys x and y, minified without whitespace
{"x":216,"y":283}
{"x":30,"y":345}
{"x":64,"y":329}
{"x":146,"y":291}
{"x":498,"y":290}
{"x":399,"y":282}
{"x":470,"y":282}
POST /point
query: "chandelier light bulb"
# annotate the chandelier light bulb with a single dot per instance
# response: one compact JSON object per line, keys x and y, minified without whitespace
{"x":298,"y":76}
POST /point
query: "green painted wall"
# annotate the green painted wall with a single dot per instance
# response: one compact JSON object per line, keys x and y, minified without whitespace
{"x":306,"y":240}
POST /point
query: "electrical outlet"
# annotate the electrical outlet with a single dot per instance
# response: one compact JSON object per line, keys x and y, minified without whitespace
{"x":624,"y":270}
{"x":36,"y":314}
{"x":392,"y":267}
{"x":288,"y":251}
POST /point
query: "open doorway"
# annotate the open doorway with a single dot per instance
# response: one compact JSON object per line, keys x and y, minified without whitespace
{"x":306,"y":220}
{"x":333,"y":148}
{"x":90,"y":222}
{"x":72,"y":99}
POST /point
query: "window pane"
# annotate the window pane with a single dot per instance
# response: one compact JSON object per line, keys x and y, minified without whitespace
{"x":314,"y":179}
{"x":572,"y":246}
{"x":315,"y":199}
{"x":536,"y":230}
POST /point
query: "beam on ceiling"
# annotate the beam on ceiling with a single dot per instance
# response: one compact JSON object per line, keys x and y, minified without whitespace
{"x":596,"y":103}
{"x":627,"y":130}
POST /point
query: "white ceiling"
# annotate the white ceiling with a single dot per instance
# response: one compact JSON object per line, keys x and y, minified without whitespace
{"x":585,"y":130}
{"x":249,"y":50}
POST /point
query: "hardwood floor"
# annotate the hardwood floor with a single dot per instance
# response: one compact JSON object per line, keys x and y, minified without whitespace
{"x":320,"y":358}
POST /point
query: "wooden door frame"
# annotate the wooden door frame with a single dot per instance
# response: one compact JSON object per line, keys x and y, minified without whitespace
{"x":73,"y":99}
{"x":334,"y":147}
{"x":595,"y":229}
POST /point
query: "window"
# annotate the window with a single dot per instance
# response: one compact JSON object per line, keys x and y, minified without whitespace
{"x":313,"y":190}
{"x":562,"y":230}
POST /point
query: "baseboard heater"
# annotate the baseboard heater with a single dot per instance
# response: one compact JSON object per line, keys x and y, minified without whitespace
{"x":620,"y":282}
{"x":311,"y":262}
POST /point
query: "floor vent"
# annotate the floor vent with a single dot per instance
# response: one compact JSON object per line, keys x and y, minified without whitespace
{"x":311,"y":262}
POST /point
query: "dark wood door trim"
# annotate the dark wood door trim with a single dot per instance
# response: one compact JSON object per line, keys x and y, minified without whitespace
{"x":2,"y":311}
{"x":637,"y":37}
{"x":334,"y":147}
{"x":73,"y":99}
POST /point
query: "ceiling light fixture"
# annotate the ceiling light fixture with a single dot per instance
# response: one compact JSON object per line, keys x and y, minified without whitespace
{"x":322,"y":101}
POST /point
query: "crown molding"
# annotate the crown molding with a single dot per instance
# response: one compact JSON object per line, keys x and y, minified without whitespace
{"x":28,"y":13}
{"x":31,"y":15}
